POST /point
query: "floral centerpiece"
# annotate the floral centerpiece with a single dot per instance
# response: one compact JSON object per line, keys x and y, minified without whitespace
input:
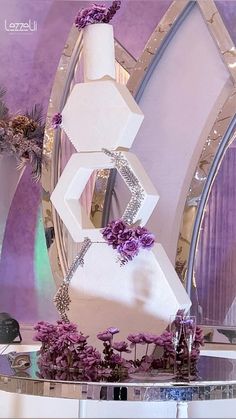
{"x":21,"y":136}
{"x":66,"y":355}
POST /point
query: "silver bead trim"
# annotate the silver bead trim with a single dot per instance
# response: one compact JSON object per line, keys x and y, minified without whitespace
{"x":131,"y":180}
{"x":62,"y":299}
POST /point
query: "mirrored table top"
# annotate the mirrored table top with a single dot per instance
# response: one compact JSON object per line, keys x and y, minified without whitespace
{"x":216,"y":380}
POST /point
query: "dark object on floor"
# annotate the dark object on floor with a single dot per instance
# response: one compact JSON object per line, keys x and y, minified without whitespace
{"x":9,"y":329}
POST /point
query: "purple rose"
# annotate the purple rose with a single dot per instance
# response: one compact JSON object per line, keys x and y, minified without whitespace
{"x":66,"y":327}
{"x":105,"y":336}
{"x":118,"y":227}
{"x":125,"y":235}
{"x":121,"y":346}
{"x":112,"y":240}
{"x":129,"y":248}
{"x":139,"y":231}
{"x":147,"y":240}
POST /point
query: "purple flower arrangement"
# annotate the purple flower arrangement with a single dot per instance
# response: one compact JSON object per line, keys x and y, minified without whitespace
{"x":66,"y":355}
{"x":22,"y":136}
{"x":97,"y":13}
{"x":128,"y":241}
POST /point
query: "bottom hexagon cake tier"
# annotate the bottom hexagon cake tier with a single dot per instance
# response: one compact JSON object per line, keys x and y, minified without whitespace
{"x":139,"y":296}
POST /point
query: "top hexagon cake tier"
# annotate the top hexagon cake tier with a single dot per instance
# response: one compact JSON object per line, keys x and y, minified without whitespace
{"x":101,"y":114}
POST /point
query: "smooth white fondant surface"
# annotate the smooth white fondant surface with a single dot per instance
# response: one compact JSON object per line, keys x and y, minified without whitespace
{"x":73,"y":181}
{"x":139,"y":296}
{"x":101,"y":114}
{"x":98,"y":52}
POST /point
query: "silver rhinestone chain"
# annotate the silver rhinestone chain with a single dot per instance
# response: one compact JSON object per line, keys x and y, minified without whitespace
{"x":62,"y":299}
{"x":131,"y":180}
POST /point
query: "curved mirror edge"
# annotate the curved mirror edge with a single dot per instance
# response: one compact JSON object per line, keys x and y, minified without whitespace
{"x":211,"y":261}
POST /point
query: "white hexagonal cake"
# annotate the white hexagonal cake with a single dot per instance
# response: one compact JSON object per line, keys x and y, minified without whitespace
{"x":101,"y":114}
{"x":73,"y":181}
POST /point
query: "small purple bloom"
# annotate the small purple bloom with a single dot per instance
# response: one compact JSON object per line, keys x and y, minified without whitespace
{"x":116,"y":358}
{"x":112,"y":240}
{"x":113,"y":330}
{"x":147,"y":240}
{"x":149,"y":338}
{"x":121,"y":346}
{"x":105,"y":336}
{"x":56,"y":120}
{"x":125,"y":235}
{"x":118,"y":227}
{"x":139,"y":231}
{"x":66,"y":327}
{"x":112,"y":11}
{"x":135,"y":338}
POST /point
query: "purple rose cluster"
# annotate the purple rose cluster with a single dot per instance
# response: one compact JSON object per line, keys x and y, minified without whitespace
{"x":128,"y":241}
{"x":97,"y":13}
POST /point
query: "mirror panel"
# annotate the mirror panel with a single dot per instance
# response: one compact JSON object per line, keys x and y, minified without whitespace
{"x":214,"y":292}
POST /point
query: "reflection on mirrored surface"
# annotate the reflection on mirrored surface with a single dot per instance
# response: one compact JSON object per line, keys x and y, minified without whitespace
{"x":216,"y":380}
{"x":214,"y":265}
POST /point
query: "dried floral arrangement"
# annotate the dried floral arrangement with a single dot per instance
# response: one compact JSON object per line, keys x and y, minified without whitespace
{"x":127,"y":240}
{"x":66,"y":355}
{"x":22,"y":135}
{"x":97,"y":13}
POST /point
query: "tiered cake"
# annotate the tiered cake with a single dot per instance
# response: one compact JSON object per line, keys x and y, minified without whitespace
{"x":102,"y":114}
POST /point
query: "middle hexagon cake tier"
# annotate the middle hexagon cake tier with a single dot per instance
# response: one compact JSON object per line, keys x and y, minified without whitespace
{"x":73,"y":194}
{"x":101,"y":114}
